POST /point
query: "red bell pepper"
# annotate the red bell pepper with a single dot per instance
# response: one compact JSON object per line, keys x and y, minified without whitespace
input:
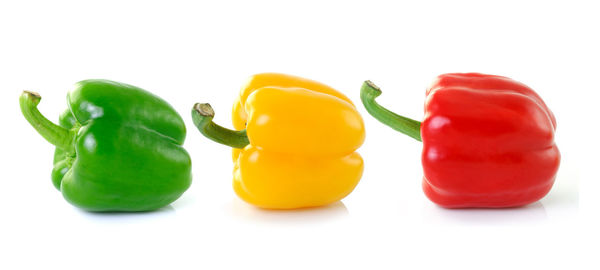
{"x":488,"y":141}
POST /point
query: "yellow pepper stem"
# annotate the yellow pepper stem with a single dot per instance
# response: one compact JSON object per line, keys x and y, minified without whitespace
{"x":203,"y":114}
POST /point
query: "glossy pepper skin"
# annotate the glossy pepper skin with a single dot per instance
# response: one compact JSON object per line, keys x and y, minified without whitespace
{"x":295,"y":142}
{"x":488,"y":141}
{"x":118,"y":147}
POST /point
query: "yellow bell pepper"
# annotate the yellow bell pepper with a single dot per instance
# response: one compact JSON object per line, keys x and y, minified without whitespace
{"x":294,"y":144}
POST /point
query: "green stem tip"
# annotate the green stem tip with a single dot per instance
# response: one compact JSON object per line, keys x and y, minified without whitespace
{"x":368,"y":92}
{"x":60,"y":137}
{"x":203,"y":114}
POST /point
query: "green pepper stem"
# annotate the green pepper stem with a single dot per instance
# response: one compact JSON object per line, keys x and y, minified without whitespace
{"x":58,"y":136}
{"x":203,"y":114}
{"x":368,"y":92}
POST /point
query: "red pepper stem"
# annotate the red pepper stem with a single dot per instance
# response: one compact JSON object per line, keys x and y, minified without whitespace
{"x":60,"y":137}
{"x":410,"y":127}
{"x":203,"y":114}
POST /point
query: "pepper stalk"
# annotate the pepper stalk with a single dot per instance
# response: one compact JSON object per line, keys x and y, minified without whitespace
{"x":203,"y":114}
{"x":60,"y":137}
{"x":368,"y":92}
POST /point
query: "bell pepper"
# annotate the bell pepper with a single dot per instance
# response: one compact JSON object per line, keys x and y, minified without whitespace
{"x":488,"y":141}
{"x":118,"y":147}
{"x":294,"y":143}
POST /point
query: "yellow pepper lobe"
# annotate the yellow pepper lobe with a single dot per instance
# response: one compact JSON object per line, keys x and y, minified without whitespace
{"x":276,"y":80}
{"x":235,"y":153}
{"x":279,"y":80}
{"x":287,"y":181}
{"x":304,"y":122}
{"x":238,"y":115}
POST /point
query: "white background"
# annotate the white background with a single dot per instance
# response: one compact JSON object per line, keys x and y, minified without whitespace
{"x":190,"y":52}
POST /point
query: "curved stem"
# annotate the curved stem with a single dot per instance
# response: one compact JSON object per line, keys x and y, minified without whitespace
{"x":203,"y":114}
{"x":59,"y":136}
{"x":410,"y":127}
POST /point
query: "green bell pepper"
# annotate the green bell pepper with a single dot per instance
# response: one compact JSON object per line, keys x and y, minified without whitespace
{"x":118,"y":147}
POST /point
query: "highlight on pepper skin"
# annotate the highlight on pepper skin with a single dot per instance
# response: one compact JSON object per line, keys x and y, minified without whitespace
{"x":118,"y":147}
{"x":294,"y":142}
{"x":488,"y":141}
